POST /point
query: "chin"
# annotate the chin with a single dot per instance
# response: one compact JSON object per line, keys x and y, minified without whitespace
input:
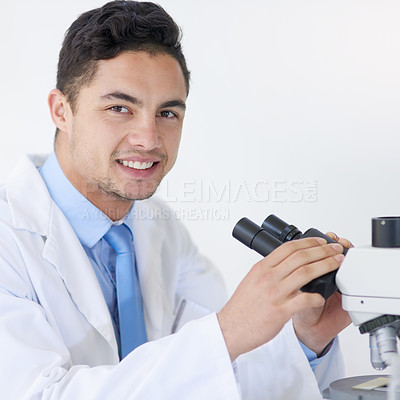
{"x":141,"y":192}
{"x":140,"y":195}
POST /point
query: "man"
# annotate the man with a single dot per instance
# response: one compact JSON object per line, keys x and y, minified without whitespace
{"x":119,"y":107}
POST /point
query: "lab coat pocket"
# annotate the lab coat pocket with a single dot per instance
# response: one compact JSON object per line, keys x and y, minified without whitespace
{"x":185,"y":311}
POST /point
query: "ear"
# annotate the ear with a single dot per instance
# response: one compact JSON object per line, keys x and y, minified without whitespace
{"x":59,"y":109}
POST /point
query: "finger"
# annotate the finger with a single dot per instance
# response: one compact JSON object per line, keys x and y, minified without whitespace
{"x":288,"y":248}
{"x":307,"y":256}
{"x":333,"y":236}
{"x":345,"y":243}
{"x":306,"y":273}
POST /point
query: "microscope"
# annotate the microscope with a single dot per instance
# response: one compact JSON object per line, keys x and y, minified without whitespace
{"x":367,"y":281}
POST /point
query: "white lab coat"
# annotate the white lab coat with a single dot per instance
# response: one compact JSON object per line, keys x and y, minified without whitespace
{"x":56,"y":335}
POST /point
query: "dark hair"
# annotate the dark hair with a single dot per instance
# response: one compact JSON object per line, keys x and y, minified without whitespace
{"x":105,"y":32}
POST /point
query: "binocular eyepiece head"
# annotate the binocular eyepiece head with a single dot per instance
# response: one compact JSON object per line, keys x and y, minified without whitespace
{"x":274,"y":231}
{"x":271,"y":234}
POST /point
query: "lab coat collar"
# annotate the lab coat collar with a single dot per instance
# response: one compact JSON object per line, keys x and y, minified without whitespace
{"x":28,"y":197}
{"x":88,"y":222}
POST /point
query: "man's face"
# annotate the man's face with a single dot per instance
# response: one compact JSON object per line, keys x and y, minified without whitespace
{"x":124,"y":134}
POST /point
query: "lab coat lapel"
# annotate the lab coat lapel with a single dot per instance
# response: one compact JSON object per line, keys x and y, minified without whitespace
{"x":148,"y":238}
{"x":33,"y":210}
{"x":77,"y":273}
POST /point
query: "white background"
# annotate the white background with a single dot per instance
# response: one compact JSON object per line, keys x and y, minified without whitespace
{"x":294,"y":110}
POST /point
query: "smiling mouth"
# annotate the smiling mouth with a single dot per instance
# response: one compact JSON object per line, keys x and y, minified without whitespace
{"x":137,"y":164}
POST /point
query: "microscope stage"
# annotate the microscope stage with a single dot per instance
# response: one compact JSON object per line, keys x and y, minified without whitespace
{"x":343,"y":389}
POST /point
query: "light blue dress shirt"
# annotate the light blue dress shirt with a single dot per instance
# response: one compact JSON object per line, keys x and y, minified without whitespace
{"x":90,"y":224}
{"x":311,"y":356}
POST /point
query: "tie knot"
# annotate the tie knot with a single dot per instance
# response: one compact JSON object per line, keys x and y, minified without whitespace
{"x":120,"y":238}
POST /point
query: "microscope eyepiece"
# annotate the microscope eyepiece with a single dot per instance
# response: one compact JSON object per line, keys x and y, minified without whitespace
{"x":245,"y":231}
{"x":280,"y":229}
{"x":255,"y":237}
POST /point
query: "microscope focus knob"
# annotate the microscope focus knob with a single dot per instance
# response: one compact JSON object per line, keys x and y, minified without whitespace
{"x":373,"y":324}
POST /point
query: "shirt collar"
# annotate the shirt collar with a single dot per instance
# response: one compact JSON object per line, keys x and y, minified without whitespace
{"x":89,"y":223}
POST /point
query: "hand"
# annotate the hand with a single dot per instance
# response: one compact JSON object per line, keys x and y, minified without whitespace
{"x":317,"y":326}
{"x":270,"y":293}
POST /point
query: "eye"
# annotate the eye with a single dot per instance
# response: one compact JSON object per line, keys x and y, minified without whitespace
{"x":168,"y":114}
{"x":119,"y":109}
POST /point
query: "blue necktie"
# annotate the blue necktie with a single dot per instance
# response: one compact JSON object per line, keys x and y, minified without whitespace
{"x":130,"y":310}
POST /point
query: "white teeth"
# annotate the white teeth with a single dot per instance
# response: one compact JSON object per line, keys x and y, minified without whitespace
{"x":137,"y":164}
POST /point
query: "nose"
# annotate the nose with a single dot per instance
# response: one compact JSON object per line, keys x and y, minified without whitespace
{"x":144,"y":133}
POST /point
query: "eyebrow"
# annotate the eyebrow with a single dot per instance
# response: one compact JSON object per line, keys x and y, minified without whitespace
{"x":134,"y":100}
{"x":174,"y":103}
{"x":122,"y":96}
